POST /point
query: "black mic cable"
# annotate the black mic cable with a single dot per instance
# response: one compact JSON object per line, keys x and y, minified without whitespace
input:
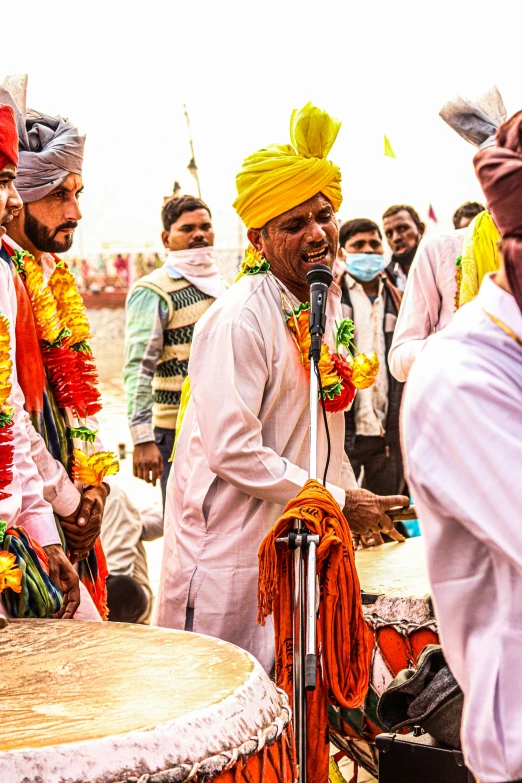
{"x":319,"y":278}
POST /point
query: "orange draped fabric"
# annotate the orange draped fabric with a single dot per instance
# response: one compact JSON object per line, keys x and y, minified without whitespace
{"x":29,"y":365}
{"x":343,"y":638}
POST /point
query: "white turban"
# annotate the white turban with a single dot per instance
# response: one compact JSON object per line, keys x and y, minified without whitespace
{"x":50,"y":147}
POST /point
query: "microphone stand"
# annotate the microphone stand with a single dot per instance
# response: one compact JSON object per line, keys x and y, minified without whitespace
{"x":304,"y":610}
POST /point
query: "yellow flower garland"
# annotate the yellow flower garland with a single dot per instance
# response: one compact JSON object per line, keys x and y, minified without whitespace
{"x":10,"y":575}
{"x":48,"y":323}
{"x":91,"y":469}
{"x":6,"y":365}
{"x":69,"y":305}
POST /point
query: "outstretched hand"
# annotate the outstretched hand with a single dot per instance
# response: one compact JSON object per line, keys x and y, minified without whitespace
{"x":367,"y":518}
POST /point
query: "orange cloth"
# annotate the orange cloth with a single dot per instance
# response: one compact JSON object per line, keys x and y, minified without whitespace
{"x":343,"y":637}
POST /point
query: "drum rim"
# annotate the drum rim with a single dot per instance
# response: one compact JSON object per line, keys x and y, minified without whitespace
{"x":255,"y":714}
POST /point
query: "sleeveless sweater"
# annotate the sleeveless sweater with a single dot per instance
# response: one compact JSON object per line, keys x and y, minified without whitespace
{"x":186,"y":304}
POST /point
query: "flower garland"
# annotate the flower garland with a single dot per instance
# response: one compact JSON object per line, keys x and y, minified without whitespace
{"x":340,"y":377}
{"x":10,"y":574}
{"x":6,"y":410}
{"x":63,"y":330}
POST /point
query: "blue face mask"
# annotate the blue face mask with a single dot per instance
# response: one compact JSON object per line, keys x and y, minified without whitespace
{"x":364,"y":266}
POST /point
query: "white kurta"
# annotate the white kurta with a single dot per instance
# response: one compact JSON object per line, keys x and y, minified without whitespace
{"x":243,"y":453}
{"x":371,"y":405}
{"x":462,"y":439}
{"x":428,"y":304}
{"x":25,"y":504}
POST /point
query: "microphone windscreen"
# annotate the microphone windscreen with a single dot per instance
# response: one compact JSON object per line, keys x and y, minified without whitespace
{"x":320,"y":273}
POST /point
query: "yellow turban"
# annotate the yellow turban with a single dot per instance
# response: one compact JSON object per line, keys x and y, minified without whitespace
{"x":278,"y":178}
{"x":480,"y":255}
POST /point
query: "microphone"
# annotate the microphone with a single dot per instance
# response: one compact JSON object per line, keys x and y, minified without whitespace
{"x":319,"y":279}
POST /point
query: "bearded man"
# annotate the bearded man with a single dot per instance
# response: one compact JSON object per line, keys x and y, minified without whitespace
{"x":21,"y":500}
{"x":243,"y":448}
{"x":49,"y":181}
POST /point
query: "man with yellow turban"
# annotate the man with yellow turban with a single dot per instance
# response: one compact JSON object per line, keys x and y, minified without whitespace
{"x":243,"y":448}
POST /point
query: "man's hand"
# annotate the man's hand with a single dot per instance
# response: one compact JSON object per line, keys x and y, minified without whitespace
{"x":66,"y":579}
{"x":147,"y":462}
{"x":82,"y":528}
{"x":366,"y":514}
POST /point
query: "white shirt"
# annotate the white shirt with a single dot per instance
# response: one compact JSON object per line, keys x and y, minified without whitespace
{"x":428,"y":304}
{"x":462,"y":439}
{"x":25,"y":505}
{"x":371,"y":405}
{"x":242,"y":454}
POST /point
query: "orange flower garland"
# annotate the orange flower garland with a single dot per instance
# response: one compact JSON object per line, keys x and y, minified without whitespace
{"x":63,"y":329}
{"x":339,"y":377}
{"x":6,"y":411}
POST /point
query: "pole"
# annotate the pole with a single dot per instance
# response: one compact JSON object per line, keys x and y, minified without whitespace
{"x":192,"y":165}
{"x":314,"y":389}
{"x":305,"y":658}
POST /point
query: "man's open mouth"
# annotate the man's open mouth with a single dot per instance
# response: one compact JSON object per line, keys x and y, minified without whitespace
{"x":316,"y":256}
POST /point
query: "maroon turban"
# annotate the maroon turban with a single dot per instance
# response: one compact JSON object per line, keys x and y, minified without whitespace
{"x":499,"y":170}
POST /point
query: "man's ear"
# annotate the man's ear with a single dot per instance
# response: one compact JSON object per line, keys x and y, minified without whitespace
{"x":255,"y":239}
{"x":422,"y":229}
{"x":341,"y":253}
{"x":165,"y":239}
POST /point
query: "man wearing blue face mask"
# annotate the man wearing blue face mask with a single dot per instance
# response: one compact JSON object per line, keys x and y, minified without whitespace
{"x":370,"y":299}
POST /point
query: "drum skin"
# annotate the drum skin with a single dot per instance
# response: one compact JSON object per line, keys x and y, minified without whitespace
{"x":109,"y":702}
{"x":402,"y":623}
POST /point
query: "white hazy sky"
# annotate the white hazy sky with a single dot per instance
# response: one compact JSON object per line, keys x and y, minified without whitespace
{"x":123,"y":70}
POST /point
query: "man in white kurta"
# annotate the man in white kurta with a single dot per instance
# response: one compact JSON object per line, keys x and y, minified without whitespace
{"x":243,"y":449}
{"x":462,"y":437}
{"x":428,"y":304}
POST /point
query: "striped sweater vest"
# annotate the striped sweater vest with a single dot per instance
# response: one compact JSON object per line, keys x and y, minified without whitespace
{"x":186,"y":304}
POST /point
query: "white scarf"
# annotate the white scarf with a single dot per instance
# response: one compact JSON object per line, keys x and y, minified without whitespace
{"x":197,"y":265}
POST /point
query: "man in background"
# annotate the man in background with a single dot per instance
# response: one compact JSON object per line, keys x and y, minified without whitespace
{"x":403,"y":230}
{"x":372,"y":438}
{"x":162,"y":309}
{"x":466,"y":212}
{"x":125,"y":528}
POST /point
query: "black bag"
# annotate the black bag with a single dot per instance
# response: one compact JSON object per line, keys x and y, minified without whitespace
{"x":429,"y":697}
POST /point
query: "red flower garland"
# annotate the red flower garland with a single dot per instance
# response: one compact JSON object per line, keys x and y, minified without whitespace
{"x":73,"y":378}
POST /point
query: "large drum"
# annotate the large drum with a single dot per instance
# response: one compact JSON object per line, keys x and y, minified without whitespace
{"x":105,"y":703}
{"x":398,"y":608}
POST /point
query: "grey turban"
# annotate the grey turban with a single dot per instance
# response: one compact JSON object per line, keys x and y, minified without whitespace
{"x":476,"y":121}
{"x":50,"y":147}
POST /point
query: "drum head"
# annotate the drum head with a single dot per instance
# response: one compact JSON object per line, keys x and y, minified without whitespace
{"x":100,"y":701}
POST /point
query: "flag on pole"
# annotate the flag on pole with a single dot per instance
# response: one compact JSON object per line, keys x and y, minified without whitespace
{"x":432,"y":215}
{"x":388,"y":150}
